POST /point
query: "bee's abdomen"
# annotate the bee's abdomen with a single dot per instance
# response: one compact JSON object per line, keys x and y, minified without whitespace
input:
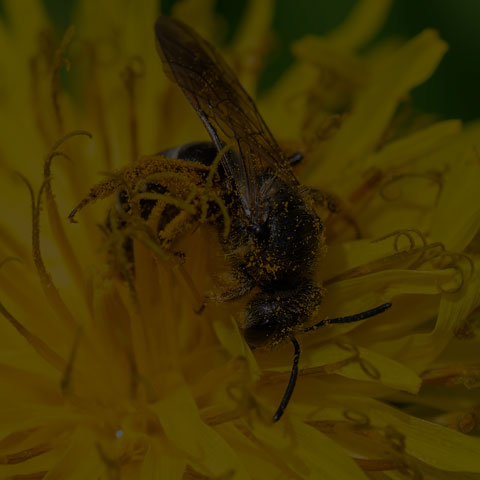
{"x":199,"y":152}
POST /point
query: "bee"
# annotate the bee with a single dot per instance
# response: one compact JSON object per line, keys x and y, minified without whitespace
{"x":275,"y":236}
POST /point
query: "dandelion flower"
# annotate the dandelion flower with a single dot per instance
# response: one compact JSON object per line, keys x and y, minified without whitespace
{"x":112,"y":373}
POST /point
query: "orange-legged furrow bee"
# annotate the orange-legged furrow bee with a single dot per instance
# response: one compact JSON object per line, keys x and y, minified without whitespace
{"x":275,"y":236}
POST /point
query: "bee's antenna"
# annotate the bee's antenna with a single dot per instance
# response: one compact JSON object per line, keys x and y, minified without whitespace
{"x":296,"y":357}
{"x":350,"y":318}
{"x":291,"y":382}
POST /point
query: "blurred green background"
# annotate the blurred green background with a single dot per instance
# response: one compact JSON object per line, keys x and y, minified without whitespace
{"x":452,"y":92}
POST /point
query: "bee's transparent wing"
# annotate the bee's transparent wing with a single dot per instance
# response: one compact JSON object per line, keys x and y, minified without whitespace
{"x":225,"y":108}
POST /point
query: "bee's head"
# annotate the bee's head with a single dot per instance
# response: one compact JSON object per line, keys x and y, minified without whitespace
{"x":273,"y":313}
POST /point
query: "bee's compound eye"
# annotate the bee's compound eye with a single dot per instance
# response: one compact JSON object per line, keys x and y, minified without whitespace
{"x":271,"y":314}
{"x":259,"y":334}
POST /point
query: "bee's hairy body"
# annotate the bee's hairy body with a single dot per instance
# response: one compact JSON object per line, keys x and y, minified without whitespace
{"x":277,"y":253}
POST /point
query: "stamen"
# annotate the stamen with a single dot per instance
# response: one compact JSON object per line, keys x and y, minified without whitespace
{"x":214,"y":166}
{"x":198,"y":299}
{"x":360,"y":419}
{"x":379,"y":465}
{"x":112,"y":464}
{"x":165,"y":197}
{"x":151,"y":244}
{"x":12,"y":244}
{"x":402,"y":256}
{"x":65,"y":382}
{"x":38,"y":110}
{"x":183,"y":223}
{"x":435,"y":177}
{"x":369,"y":369}
{"x":467,"y":423}
{"x":59,"y":61}
{"x":411,"y":472}
{"x":227,"y":221}
{"x":133,"y":71}
{"x":24,"y":455}
{"x":395,"y":439}
{"x":405,"y":233}
{"x":110,"y":51}
{"x":427,"y":254}
{"x":99,"y":191}
{"x":49,"y":288}
{"x":210,"y":195}
{"x":36,"y":343}
{"x":39,"y":64}
{"x":159,"y":176}
{"x":56,"y":225}
{"x":9,"y":259}
{"x":460,"y":274}
{"x":73,"y":133}
{"x":192,"y":474}
{"x":453,"y":375}
{"x":364,"y":191}
{"x":128,"y":188}
{"x":244,"y":400}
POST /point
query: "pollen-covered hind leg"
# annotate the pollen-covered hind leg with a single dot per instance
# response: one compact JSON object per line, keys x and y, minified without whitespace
{"x":176,"y":175}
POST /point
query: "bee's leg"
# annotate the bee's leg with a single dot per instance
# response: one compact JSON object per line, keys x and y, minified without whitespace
{"x":295,"y":159}
{"x":325,"y":200}
{"x":334,"y":205}
{"x":234,"y":291}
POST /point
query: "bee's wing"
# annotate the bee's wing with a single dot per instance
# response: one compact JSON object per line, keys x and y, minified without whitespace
{"x":225,"y":108}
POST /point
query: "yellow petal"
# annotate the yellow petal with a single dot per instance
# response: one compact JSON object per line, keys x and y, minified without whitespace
{"x":24,"y":384}
{"x":257,"y":461}
{"x":81,"y":459}
{"x":362,"y":293}
{"x":307,"y":452}
{"x":25,"y":416}
{"x":457,"y":218}
{"x":255,"y":23}
{"x":284,"y":105}
{"x":208,"y":451}
{"x":412,"y":64}
{"x":363,"y":23}
{"x":157,"y":465}
{"x":250,"y":41}
{"x":230,"y":337}
{"x":419,"y":349}
{"x":320,"y":52}
{"x":361,"y":364}
{"x":414,"y":147}
{"x":433,"y":444}
{"x":25,"y":24}
{"x":200,"y":14}
{"x":34,"y":467}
